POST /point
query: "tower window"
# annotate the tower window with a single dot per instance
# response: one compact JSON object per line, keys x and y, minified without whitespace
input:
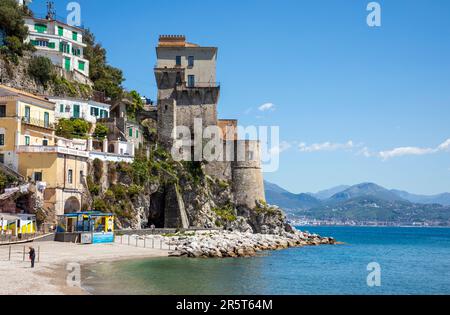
{"x":178,"y":60}
{"x":190,"y":61}
{"x":191,"y":80}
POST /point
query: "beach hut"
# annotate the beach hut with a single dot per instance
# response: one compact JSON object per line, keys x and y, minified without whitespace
{"x":86,"y":227}
{"x":17,"y":224}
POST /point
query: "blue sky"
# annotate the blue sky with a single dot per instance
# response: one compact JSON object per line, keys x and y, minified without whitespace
{"x":354,"y":104}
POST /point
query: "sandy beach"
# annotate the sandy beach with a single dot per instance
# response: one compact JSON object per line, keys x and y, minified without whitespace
{"x":49,"y":274}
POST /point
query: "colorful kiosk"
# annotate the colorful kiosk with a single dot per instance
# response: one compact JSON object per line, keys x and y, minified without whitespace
{"x":86,"y":228}
{"x":17,"y":224}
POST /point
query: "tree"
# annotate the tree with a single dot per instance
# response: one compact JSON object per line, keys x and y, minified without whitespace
{"x":101,"y":131}
{"x":73,"y":128}
{"x":137,"y":104}
{"x":41,"y":69}
{"x":14,"y":29}
{"x":106,"y":78}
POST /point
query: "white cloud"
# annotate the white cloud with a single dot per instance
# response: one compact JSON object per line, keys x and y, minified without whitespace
{"x":365,"y":152}
{"x":326,"y":146}
{"x":284,"y":145}
{"x":403,"y":151}
{"x":266,"y":107}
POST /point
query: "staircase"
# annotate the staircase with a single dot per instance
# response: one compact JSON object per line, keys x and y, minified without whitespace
{"x":13,"y":173}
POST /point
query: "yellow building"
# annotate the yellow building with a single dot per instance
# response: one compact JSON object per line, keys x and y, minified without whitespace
{"x":28,"y":146}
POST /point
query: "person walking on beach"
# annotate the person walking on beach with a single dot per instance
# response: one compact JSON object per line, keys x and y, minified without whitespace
{"x":32,"y":254}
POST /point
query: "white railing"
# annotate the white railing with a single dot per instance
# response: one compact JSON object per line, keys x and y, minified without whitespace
{"x":52,"y":149}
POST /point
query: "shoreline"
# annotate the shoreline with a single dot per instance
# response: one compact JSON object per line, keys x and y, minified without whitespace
{"x":49,"y":275}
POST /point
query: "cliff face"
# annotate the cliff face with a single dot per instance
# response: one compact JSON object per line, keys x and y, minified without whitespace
{"x":17,"y":76}
{"x":158,"y":191}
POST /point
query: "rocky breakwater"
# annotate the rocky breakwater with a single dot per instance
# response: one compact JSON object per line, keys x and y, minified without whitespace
{"x":223,"y":244}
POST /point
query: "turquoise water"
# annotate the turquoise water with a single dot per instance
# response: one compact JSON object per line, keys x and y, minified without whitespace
{"x":412,"y":260}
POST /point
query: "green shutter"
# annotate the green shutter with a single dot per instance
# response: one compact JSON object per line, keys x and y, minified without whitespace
{"x":130,"y":132}
{"x":81,"y":65}
{"x":51,"y":45}
{"x":61,"y":108}
{"x":67,"y":64}
{"x":40,"y":28}
{"x":137,"y":134}
{"x":27,"y":140}
{"x":75,"y":36}
{"x":76,"y":111}
{"x":60,"y":31}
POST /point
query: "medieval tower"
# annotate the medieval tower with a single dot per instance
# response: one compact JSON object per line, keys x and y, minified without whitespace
{"x":187,"y":90}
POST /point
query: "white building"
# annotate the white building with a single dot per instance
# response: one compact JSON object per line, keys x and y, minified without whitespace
{"x":76,"y":108}
{"x":22,"y":2}
{"x":61,"y":43}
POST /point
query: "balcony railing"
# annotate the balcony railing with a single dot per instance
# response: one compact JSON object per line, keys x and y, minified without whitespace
{"x":51,"y":149}
{"x":203,"y":85}
{"x":38,"y":123}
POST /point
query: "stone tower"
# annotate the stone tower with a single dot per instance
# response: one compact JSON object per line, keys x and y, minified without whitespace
{"x":186,"y":73}
{"x":247,"y":179}
{"x":187,"y":89}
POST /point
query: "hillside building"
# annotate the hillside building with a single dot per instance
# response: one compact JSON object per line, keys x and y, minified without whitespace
{"x":72,"y":108}
{"x":62,"y":44}
{"x":28,"y":146}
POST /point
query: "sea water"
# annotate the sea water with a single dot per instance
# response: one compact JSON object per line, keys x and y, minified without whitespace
{"x":411,"y":261}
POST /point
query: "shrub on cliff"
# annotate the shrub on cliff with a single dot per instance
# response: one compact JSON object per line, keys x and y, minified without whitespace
{"x":5,"y":181}
{"x":41,"y":69}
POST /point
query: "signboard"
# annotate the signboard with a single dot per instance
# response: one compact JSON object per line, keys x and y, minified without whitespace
{"x":107,"y":237}
{"x":86,"y":238}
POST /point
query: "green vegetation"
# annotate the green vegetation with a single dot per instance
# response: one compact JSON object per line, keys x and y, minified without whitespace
{"x":73,"y":128}
{"x":15,"y":32}
{"x":98,"y":170}
{"x":101,"y":131}
{"x":263,"y":208}
{"x":106,"y":78}
{"x":136,"y":106}
{"x":227,"y":214}
{"x":5,"y":180}
{"x":41,"y":69}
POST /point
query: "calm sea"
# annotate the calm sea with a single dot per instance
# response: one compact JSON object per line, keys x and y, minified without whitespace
{"x":412,"y":261}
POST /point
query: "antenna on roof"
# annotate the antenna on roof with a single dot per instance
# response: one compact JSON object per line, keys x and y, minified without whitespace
{"x":51,"y":12}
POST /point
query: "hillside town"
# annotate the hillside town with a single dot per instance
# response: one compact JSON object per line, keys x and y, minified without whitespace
{"x":51,"y":144}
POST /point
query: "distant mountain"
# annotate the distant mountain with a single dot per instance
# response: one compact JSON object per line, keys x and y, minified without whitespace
{"x":443,"y":199}
{"x":364,"y":190}
{"x":362,"y":203}
{"x":327,"y":193}
{"x":287,"y":200}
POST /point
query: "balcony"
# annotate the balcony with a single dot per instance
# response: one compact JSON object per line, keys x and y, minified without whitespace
{"x":51,"y":149}
{"x":38,"y":123}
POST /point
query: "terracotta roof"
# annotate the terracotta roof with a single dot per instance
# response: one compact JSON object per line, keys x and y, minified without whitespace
{"x":23,"y":93}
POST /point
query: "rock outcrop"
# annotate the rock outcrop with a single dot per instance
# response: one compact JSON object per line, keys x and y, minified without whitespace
{"x":222,"y":244}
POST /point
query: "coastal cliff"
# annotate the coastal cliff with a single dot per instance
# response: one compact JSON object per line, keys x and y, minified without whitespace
{"x":155,"y":190}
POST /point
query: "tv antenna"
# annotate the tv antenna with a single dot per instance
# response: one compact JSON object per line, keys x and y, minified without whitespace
{"x":51,"y":12}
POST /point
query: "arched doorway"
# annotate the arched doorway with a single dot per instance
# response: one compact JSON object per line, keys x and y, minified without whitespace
{"x":72,"y":205}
